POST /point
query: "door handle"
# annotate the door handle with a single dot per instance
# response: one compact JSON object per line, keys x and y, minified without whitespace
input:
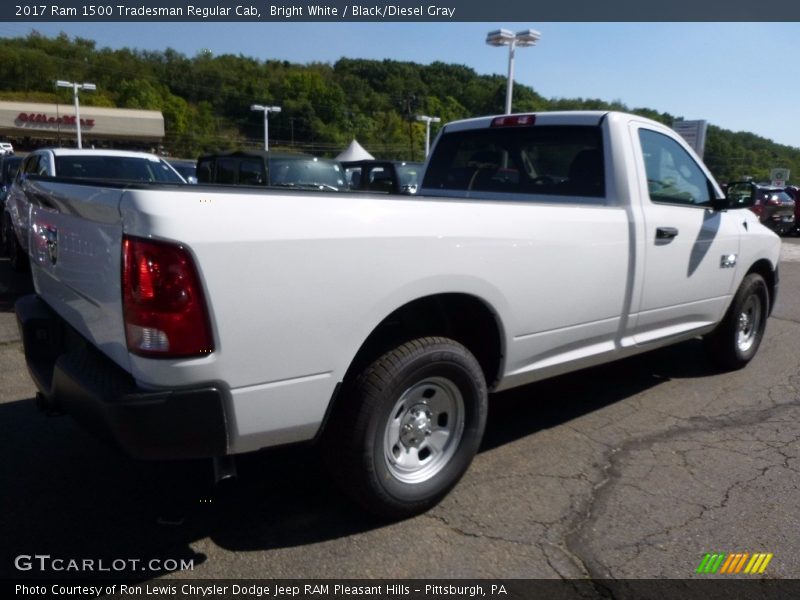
{"x":666,"y":233}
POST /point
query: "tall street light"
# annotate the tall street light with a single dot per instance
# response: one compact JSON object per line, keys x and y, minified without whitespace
{"x":266,"y":110}
{"x":75,"y":87}
{"x":428,"y":120}
{"x":504,"y":37}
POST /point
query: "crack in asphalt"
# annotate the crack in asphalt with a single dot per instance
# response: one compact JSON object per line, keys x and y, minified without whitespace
{"x":475,"y":534}
{"x":575,"y":537}
{"x":648,"y":540}
{"x":565,"y":543}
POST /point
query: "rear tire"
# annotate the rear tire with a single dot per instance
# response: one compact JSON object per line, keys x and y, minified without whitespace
{"x":736,"y":339}
{"x":408,"y":427}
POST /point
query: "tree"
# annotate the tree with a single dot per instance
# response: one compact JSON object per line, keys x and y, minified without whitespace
{"x":205,"y":100}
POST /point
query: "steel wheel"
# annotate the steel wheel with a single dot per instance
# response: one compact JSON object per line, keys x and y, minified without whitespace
{"x":407,"y":426}
{"x":424,"y":430}
{"x":749,"y":323}
{"x":736,"y":339}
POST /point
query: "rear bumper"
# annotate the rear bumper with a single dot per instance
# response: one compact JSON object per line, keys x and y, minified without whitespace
{"x":780,"y":221}
{"x":74,"y":377}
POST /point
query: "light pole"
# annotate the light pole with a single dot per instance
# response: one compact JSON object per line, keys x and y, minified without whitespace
{"x":428,"y":120}
{"x":266,"y":110}
{"x":504,"y":37}
{"x":75,"y":87}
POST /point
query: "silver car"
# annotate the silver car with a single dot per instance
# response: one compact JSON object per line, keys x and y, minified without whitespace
{"x":91,"y":164}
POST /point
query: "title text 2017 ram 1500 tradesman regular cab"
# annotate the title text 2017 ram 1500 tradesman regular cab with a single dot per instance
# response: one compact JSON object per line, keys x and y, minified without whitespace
{"x":204,"y":321}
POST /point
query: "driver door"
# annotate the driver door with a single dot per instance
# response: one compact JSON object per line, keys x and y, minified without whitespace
{"x":690,"y":250}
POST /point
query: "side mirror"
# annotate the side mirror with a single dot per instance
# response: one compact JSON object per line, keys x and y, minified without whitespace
{"x":720,"y":204}
{"x":740,"y":194}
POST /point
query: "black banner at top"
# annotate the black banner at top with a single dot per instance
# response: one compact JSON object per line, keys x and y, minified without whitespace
{"x":396,"y":10}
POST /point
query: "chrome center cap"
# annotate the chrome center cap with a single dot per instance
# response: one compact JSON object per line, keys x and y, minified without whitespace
{"x":416,"y":426}
{"x":744,"y":322}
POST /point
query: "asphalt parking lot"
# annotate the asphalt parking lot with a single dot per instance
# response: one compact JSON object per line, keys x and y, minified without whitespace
{"x":632,"y":470}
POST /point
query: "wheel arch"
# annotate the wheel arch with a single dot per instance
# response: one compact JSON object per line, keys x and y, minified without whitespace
{"x":462,"y":317}
{"x":770,"y":274}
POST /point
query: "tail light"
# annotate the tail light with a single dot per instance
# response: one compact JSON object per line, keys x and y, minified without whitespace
{"x":162,"y":300}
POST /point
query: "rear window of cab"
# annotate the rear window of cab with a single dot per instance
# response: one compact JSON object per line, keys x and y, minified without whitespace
{"x":560,"y":160}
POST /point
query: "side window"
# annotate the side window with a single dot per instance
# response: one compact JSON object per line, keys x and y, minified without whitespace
{"x":204,"y":168}
{"x":31,"y":165}
{"x":673,"y":176}
{"x":251,"y":172}
{"x":43,"y":168}
{"x":226,"y":170}
{"x":380,"y":180}
{"x":353,"y":176}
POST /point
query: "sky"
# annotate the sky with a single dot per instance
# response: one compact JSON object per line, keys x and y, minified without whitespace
{"x":738,"y":76}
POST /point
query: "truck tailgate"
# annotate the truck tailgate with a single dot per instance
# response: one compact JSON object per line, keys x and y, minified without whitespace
{"x":75,"y":247}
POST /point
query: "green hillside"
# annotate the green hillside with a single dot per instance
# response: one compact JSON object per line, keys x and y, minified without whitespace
{"x":205,"y":100}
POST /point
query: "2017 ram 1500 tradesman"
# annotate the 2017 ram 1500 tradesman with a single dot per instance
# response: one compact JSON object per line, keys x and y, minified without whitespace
{"x":202,"y":321}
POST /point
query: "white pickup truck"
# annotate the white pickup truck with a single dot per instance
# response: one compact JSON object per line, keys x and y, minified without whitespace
{"x":197,"y":321}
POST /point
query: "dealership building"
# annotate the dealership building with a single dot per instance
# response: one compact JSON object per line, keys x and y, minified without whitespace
{"x":30,"y":125}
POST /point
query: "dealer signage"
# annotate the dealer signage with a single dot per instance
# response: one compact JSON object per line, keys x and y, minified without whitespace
{"x":778,"y":177}
{"x":694,"y":132}
{"x":45,"y":119}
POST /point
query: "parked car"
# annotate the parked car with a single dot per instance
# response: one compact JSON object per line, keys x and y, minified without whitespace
{"x":394,"y":177}
{"x":774,"y":206}
{"x":187,"y":169}
{"x":91,"y":164}
{"x":9,"y":164}
{"x":260,"y":168}
{"x":6,"y":148}
{"x":794,"y":192}
{"x":8,"y":170}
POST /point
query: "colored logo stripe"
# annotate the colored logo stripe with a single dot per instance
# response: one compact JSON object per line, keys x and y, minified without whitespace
{"x":734,"y":563}
{"x":711,"y":563}
{"x":758,"y":564}
{"x":732,"y":558}
{"x":722,"y":563}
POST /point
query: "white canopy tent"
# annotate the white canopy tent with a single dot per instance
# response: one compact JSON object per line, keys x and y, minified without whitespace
{"x":355,"y":151}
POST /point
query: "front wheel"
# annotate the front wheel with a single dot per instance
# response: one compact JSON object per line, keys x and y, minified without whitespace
{"x":408,"y":427}
{"x":736,"y":339}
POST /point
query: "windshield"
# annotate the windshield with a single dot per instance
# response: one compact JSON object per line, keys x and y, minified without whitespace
{"x":776,"y":196}
{"x":185,"y":169}
{"x":306,"y":172}
{"x":127,"y":168}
